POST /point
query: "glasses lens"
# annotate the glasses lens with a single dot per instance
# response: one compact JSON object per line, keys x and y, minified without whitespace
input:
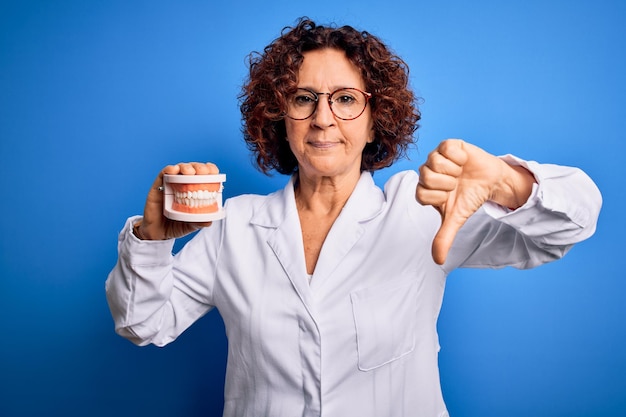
{"x":302,"y":104}
{"x":348,"y":103}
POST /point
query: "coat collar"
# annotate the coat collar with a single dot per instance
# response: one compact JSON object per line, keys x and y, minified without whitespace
{"x":366,"y":202}
{"x":279,"y":212}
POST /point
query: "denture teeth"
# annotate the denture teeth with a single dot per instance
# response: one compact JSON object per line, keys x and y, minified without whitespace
{"x":195,"y":199}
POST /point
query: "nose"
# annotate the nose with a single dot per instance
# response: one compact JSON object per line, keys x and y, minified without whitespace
{"x":323,"y":115}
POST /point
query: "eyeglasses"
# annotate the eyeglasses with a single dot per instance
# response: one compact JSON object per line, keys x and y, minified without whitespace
{"x":345,"y":103}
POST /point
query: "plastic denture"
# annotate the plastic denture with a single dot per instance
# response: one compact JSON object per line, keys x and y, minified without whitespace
{"x":193,"y":198}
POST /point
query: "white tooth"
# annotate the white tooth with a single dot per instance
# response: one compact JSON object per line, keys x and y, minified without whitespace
{"x":186,"y":201}
{"x":194,"y":195}
{"x":206,"y":195}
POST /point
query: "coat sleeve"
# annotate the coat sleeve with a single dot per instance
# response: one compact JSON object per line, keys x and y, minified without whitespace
{"x":153,"y":295}
{"x":562,"y":210}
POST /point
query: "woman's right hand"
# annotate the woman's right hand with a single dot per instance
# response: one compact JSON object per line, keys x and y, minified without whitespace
{"x":154,"y":225}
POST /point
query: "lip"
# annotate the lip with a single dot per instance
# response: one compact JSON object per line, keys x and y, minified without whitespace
{"x":322,"y":144}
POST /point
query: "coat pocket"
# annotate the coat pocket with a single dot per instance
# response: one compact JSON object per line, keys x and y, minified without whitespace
{"x":385,"y":317}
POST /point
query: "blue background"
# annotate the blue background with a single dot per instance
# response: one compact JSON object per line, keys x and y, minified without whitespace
{"x":97,"y":96}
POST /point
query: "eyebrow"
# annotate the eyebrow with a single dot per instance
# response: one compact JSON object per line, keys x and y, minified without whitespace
{"x":330,"y":91}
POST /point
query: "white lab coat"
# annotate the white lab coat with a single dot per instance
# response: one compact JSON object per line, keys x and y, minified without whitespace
{"x":360,"y":339}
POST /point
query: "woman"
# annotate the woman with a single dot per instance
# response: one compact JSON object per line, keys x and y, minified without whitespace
{"x":328,"y":288}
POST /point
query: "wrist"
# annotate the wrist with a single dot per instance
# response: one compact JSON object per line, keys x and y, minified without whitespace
{"x":137,"y":231}
{"x":515,"y":186}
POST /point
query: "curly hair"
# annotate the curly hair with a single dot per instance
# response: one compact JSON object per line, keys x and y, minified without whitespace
{"x":273,"y":78}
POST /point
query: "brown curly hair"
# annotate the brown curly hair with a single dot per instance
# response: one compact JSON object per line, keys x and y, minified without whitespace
{"x":274,"y":76}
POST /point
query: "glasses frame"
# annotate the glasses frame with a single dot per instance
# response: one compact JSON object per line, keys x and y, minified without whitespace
{"x":367,"y":95}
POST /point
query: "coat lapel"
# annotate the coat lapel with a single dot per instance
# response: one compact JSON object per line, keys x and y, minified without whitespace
{"x":280,"y":213}
{"x":365,"y":203}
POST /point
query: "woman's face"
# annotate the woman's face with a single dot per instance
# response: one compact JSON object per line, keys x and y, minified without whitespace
{"x":324,"y":145}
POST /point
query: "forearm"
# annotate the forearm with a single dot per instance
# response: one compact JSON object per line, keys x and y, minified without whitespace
{"x":140,"y":285}
{"x":154,"y":296}
{"x":561,"y":211}
{"x":564,"y":208}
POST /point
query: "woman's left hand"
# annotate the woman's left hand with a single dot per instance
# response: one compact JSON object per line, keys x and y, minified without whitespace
{"x":458,"y":178}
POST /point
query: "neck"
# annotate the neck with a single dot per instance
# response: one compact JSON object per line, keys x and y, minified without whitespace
{"x":325,"y":194}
